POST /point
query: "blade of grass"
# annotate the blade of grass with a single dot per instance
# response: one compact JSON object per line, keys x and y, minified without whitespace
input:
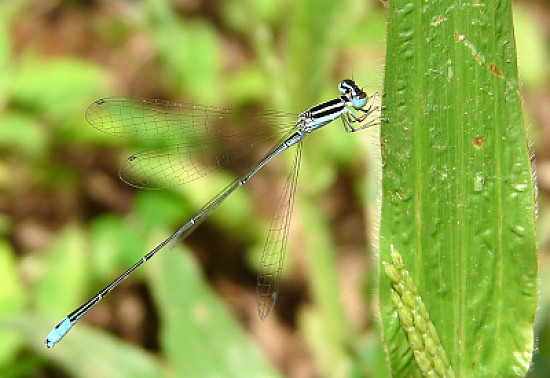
{"x":198,"y":335}
{"x":458,"y":200}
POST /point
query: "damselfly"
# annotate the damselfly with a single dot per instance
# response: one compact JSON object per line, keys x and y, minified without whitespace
{"x":188,"y":125}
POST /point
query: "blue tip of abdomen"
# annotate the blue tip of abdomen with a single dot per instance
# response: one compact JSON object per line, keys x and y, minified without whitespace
{"x":58,"y":332}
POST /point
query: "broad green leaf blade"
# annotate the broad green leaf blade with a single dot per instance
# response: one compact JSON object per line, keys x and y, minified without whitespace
{"x":198,"y":336}
{"x":326,"y":326}
{"x":458,"y":200}
{"x":63,"y":283}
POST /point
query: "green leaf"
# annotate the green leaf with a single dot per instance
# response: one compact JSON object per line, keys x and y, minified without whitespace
{"x":247,"y":85}
{"x":161,"y":208}
{"x":22,"y":134}
{"x":56,"y":88}
{"x":233,"y":214}
{"x":195,"y":62}
{"x":322,"y":271}
{"x":310,"y":48}
{"x":199,"y":337}
{"x":115,"y":245}
{"x":62,"y":284}
{"x":458,"y":200}
{"x":245,"y":16}
{"x":87,"y":352}
{"x":11,"y":300}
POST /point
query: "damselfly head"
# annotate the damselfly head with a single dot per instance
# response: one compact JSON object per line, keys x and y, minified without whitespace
{"x":347,"y":86}
{"x":355,"y":95}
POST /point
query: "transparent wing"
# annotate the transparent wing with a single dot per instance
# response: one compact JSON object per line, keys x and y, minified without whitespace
{"x":273,"y":255}
{"x":183,"y":163}
{"x":188,"y":140}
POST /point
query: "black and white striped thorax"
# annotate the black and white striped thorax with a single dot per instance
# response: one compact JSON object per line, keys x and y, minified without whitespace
{"x":323,"y":114}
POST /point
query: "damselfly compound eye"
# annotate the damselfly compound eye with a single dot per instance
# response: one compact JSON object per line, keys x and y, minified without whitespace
{"x":359,"y":101}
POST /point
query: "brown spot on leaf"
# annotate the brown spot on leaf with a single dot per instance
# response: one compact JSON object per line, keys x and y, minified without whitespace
{"x":494,"y":69}
{"x":479,"y":141}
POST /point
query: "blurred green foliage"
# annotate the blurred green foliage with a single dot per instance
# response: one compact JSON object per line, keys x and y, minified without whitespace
{"x":68,"y":226}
